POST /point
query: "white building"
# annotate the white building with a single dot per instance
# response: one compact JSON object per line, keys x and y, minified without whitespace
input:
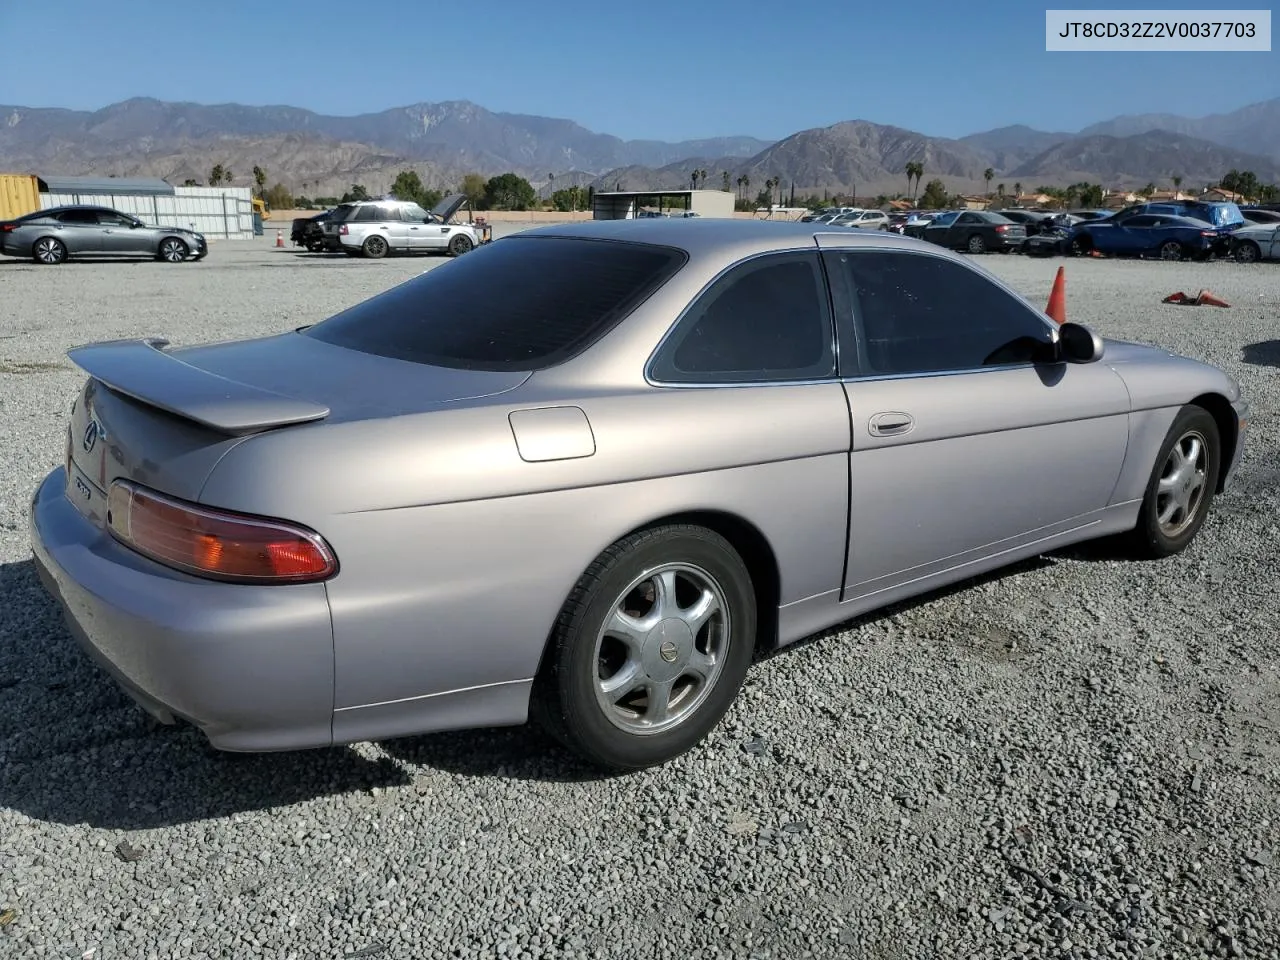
{"x":217,"y":212}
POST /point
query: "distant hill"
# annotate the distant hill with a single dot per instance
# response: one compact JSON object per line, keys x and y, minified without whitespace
{"x":1253,"y":129}
{"x":318,"y":154}
{"x":1153,"y":156}
{"x":455,"y":133}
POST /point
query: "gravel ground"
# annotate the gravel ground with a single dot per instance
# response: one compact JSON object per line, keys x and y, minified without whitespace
{"x":1077,"y":758}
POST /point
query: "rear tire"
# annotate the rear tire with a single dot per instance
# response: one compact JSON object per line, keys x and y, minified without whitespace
{"x":630,"y":633}
{"x":1248,"y":252}
{"x":49,"y":251}
{"x":1181,"y":487}
{"x":1171,"y":250}
{"x":976,"y":244}
{"x":375,"y":247}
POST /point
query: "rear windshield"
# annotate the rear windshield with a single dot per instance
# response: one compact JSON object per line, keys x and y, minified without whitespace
{"x":519,"y":303}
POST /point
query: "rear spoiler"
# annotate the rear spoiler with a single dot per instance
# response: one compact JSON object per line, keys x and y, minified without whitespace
{"x":142,"y":370}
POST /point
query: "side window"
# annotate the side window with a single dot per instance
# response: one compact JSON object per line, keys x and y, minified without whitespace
{"x":79,"y":217}
{"x":413,"y":213}
{"x":111,"y":219}
{"x":968,"y":218}
{"x":765,"y":320}
{"x":917,"y":313}
{"x":1142,"y":220}
{"x":366,"y":214}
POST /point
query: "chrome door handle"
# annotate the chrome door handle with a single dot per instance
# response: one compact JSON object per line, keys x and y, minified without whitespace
{"x":890,"y":424}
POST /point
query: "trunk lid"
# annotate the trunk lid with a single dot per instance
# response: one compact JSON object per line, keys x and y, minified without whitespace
{"x":165,"y":418}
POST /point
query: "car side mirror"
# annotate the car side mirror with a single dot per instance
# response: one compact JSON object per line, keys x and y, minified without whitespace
{"x":1079,"y":344}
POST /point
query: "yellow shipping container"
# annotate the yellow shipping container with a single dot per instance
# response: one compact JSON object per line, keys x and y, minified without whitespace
{"x":19,"y":195}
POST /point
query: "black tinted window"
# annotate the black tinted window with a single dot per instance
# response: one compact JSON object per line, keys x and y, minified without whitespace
{"x":79,"y":216}
{"x":765,"y":320}
{"x":520,"y":303}
{"x":1141,"y":220}
{"x":919,"y":314}
{"x":369,"y":213}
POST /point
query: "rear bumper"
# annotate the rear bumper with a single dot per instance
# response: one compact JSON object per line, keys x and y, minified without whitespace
{"x":251,"y":666}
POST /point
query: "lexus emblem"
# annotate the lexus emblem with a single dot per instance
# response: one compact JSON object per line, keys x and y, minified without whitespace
{"x":90,"y":436}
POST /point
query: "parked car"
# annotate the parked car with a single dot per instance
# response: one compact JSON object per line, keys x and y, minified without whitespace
{"x":1223,"y":217}
{"x":54,"y":235}
{"x":916,"y":225}
{"x":1086,"y":214}
{"x":977,"y":231}
{"x":374,"y":228}
{"x":1254,"y":215}
{"x":1030,"y":219}
{"x":454,"y":504}
{"x":897,"y":222}
{"x":869,"y":220}
{"x":1146,"y":234}
{"x":1259,"y":241}
{"x":309,"y":231}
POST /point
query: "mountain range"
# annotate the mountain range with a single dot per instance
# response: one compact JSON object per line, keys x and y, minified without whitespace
{"x":320,"y":155}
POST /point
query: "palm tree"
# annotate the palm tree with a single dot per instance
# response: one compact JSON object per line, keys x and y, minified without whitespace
{"x":1177,"y":185}
{"x":724,"y":179}
{"x":1017,"y":190}
{"x":1000,"y":190}
{"x":911,"y":172}
{"x":988,"y":175}
{"x":746,"y":185}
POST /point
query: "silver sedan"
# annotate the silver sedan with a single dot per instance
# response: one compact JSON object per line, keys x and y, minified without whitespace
{"x":52,"y":236}
{"x":586,"y":471}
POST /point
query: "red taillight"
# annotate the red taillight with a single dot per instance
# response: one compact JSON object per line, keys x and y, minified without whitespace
{"x":7,"y":227}
{"x":1001,"y":228}
{"x":342,"y":229}
{"x":216,"y":543}
{"x":1208,"y":233}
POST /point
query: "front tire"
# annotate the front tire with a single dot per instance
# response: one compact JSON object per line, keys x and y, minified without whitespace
{"x":1181,"y":487}
{"x":460,"y":244}
{"x":650,"y":648}
{"x":49,"y":251}
{"x":172,"y":250}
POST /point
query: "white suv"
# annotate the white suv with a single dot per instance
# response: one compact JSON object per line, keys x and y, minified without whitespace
{"x":374,"y":228}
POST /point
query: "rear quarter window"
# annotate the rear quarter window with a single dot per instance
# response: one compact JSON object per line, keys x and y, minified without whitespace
{"x":520,"y":303}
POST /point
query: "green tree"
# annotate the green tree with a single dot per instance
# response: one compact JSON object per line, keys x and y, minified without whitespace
{"x":1231,"y":181}
{"x":260,"y":180}
{"x":569,"y":199}
{"x":724,"y":180}
{"x":189,"y":183}
{"x":278,"y":197}
{"x":509,"y":191}
{"x":988,"y":175}
{"x":1177,"y":183}
{"x":356,"y":193}
{"x":935,"y":195}
{"x":1000,"y":190}
{"x":408,"y":186}
{"x":473,"y":189}
{"x":217,"y":175}
{"x":1091,"y":195}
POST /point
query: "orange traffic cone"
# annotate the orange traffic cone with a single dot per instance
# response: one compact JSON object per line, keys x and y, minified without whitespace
{"x":1057,"y":308}
{"x":279,"y":239}
{"x":1209,"y":299}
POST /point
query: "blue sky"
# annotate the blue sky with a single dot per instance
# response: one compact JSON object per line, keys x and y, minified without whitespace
{"x":660,"y":70}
